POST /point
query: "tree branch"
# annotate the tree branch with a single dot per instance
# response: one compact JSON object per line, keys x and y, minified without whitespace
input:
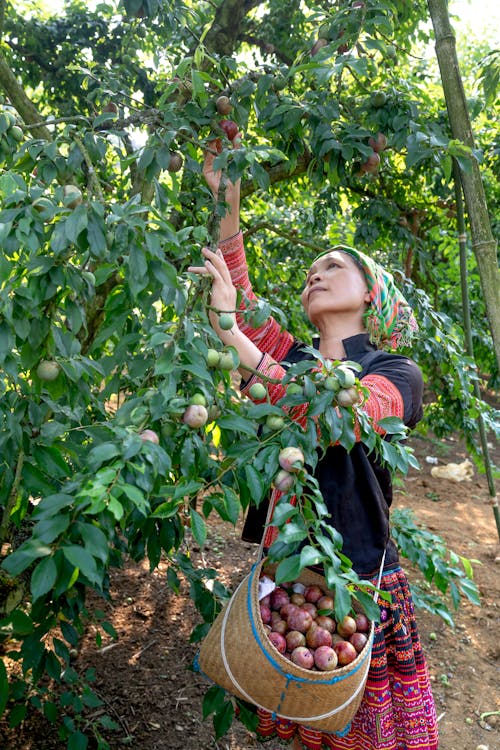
{"x":278,"y":172}
{"x":225,"y":29}
{"x":268,"y":49}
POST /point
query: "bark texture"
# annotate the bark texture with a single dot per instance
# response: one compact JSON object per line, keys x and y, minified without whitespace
{"x":21,"y":102}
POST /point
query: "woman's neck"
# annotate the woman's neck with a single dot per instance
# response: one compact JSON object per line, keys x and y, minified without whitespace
{"x":331,"y":339}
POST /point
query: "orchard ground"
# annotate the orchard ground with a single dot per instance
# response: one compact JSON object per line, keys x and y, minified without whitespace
{"x":144,"y":679}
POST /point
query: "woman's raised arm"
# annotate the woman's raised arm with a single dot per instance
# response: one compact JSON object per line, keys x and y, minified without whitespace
{"x":268,"y":337}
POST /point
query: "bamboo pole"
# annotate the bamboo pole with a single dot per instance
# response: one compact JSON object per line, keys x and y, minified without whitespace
{"x":469,"y":346}
{"x":483,"y":243}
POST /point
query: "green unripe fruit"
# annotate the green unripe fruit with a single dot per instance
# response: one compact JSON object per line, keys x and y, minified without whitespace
{"x":176,"y":406}
{"x":274,"y":422}
{"x":48,"y":370}
{"x":72,"y":196}
{"x":332,"y":383}
{"x":139,"y":415}
{"x":44,"y":206}
{"x":213,"y":357}
{"x":258,"y":391}
{"x":347,"y":397}
{"x":226,"y":321}
{"x":226,"y":361}
{"x":16,"y":133}
{"x":294,"y":389}
{"x":390,"y":51}
{"x":324,"y":31}
{"x":279,"y":83}
{"x":346,"y":376}
{"x":378,"y":98}
{"x":213,"y":413}
{"x":11,"y":118}
{"x":199,"y":399}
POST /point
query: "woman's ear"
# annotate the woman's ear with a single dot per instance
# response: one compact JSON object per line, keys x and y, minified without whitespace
{"x":367,"y":297}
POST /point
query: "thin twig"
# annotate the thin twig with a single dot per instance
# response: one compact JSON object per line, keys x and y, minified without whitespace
{"x":143,"y":649}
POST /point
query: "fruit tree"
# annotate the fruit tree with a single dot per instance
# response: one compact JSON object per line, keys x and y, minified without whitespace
{"x":122,"y":427}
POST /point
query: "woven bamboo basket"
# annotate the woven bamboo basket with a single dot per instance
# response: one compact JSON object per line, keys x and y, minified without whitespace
{"x":238,"y":655}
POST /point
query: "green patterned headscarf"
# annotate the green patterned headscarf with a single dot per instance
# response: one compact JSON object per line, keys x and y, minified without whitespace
{"x":389,"y":319}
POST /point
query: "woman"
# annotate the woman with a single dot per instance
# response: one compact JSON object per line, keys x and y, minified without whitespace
{"x":356,"y":308}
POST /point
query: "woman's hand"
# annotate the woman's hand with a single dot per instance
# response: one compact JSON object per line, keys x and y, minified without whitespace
{"x":230,"y":223}
{"x":224,"y":296}
{"x":224,"y":300}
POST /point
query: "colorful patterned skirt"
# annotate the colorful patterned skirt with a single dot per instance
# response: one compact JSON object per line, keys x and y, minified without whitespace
{"x":397,"y":711}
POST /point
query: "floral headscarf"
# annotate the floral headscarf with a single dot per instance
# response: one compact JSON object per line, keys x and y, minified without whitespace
{"x":389,"y":318}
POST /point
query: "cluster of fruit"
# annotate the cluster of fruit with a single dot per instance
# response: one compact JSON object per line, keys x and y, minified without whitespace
{"x":10,"y":132}
{"x":230,"y":128}
{"x":299,"y":624}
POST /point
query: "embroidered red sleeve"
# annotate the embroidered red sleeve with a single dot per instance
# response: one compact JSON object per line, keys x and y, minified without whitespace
{"x":384,"y":400}
{"x":269,"y":337}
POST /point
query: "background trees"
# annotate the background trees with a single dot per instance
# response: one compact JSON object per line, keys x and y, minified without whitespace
{"x":102,"y":333}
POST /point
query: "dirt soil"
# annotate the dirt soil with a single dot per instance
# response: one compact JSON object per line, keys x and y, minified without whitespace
{"x":144,"y":677}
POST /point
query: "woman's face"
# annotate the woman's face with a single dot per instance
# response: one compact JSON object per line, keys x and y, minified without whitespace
{"x":334,"y":284}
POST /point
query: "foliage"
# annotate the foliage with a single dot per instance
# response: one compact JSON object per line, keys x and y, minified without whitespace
{"x":103,"y":334}
{"x":444,"y":571}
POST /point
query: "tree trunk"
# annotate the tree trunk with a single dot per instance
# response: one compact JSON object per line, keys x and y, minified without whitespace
{"x":483,"y":242}
{"x":20,"y":101}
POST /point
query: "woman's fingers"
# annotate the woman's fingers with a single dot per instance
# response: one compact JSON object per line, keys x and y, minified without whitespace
{"x":217,"y":260}
{"x":215,"y":265}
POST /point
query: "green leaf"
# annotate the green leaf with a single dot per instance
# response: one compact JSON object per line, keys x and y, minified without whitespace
{"x":51,"y":505}
{"x":342,"y":600}
{"x":96,"y":239}
{"x":239,"y":424}
{"x":76,"y":223}
{"x":83,"y":560}
{"x":370,"y":607}
{"x":70,"y":633}
{"x":255,"y":483}
{"x":18,"y":622}
{"x":50,"y":711}
{"x":232,"y":504}
{"x":310,"y":556}
{"x":198,"y":527}
{"x":43,"y":577}
{"x":223,"y":719}
{"x":49,"y":529}
{"x":77,"y":741}
{"x":102,"y":453}
{"x":17,"y":714}
{"x":4,"y":687}
{"x":95,"y":541}
{"x":283,"y":512}
{"x":213,"y":700}
{"x":24,"y":555}
{"x":288,"y":570}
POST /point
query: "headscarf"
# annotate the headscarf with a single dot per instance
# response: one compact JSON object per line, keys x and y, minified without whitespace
{"x":388,"y":318}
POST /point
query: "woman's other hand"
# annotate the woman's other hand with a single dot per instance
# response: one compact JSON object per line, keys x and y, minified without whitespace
{"x":223,"y":297}
{"x":230,"y":223}
{"x":222,"y":316}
